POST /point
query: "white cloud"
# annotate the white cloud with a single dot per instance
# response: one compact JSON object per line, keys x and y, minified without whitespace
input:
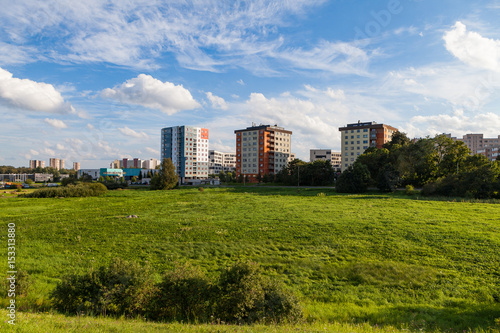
{"x":202,"y":35}
{"x":240,"y":81}
{"x":56,"y":123}
{"x":216,"y":101}
{"x":147,"y":91}
{"x":314,"y":117}
{"x":339,"y":57}
{"x":59,"y":146}
{"x":130,"y":132}
{"x":90,"y":126}
{"x":459,"y":85}
{"x":30,"y":95}
{"x":457,"y":123}
{"x":152,"y":151}
{"x":472,"y":48}
{"x":13,"y":54}
{"x":49,"y":152}
{"x":34,"y":152}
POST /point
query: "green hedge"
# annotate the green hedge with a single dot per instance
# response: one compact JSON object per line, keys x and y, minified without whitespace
{"x":80,"y":190}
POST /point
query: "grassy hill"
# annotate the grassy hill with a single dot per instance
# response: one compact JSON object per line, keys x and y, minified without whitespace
{"x":388,"y":260}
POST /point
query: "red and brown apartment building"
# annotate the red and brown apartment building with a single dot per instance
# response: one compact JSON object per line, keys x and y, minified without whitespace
{"x":262,"y":149}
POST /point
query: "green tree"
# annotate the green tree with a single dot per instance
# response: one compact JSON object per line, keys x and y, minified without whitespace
{"x":222,"y":177}
{"x":354,"y":179}
{"x":134,"y":179}
{"x":165,"y":178}
{"x":265,"y":178}
{"x":388,"y":178}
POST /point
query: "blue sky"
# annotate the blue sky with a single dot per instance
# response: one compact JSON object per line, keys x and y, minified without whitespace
{"x":95,"y":81}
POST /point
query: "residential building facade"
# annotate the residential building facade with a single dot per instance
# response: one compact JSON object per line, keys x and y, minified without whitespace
{"x":187,"y":146}
{"x":262,"y":149}
{"x":56,"y":163}
{"x":477,"y":144}
{"x":221,"y":162}
{"x":76,"y":166}
{"x":357,"y":137}
{"x":35,"y":164}
{"x":152,"y":163}
{"x":335,"y":158}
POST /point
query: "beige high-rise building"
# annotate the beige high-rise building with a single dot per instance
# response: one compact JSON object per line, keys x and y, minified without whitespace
{"x":56,"y":163}
{"x":76,"y":166}
{"x":35,"y":164}
{"x":357,"y":137}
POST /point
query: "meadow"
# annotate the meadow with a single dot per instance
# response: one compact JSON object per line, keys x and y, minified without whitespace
{"x":383,"y":261}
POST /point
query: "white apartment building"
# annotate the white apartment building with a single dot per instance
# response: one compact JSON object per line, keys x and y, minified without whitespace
{"x":219,"y":161}
{"x":187,"y":146}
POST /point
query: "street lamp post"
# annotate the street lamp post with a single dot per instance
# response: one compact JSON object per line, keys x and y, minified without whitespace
{"x":298,"y":175}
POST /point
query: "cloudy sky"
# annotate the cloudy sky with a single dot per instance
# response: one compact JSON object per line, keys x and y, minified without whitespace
{"x":92,"y":81}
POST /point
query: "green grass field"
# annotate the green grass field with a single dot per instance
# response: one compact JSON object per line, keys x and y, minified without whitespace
{"x":385,"y":260}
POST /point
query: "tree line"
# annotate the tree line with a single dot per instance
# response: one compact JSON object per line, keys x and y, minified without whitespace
{"x":439,"y":165}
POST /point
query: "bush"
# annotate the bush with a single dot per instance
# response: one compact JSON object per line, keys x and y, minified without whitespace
{"x":184,"y":294}
{"x":80,"y":190}
{"x":115,"y":186}
{"x":409,"y":190}
{"x":246,"y":296}
{"x":123,"y":288}
{"x":201,"y":189}
{"x":23,"y":284}
{"x":242,"y":294}
{"x":69,"y":181}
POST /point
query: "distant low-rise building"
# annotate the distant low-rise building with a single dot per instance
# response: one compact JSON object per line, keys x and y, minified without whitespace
{"x":94,"y":173}
{"x":152,"y":163}
{"x":335,"y":158}
{"x":43,"y":177}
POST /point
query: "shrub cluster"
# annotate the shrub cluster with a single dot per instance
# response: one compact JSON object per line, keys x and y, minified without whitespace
{"x":478,"y":185}
{"x":241,"y":294}
{"x":120,"y":289}
{"x":80,"y":190}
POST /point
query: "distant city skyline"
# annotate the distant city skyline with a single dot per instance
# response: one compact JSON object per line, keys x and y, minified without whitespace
{"x":97,"y":81}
